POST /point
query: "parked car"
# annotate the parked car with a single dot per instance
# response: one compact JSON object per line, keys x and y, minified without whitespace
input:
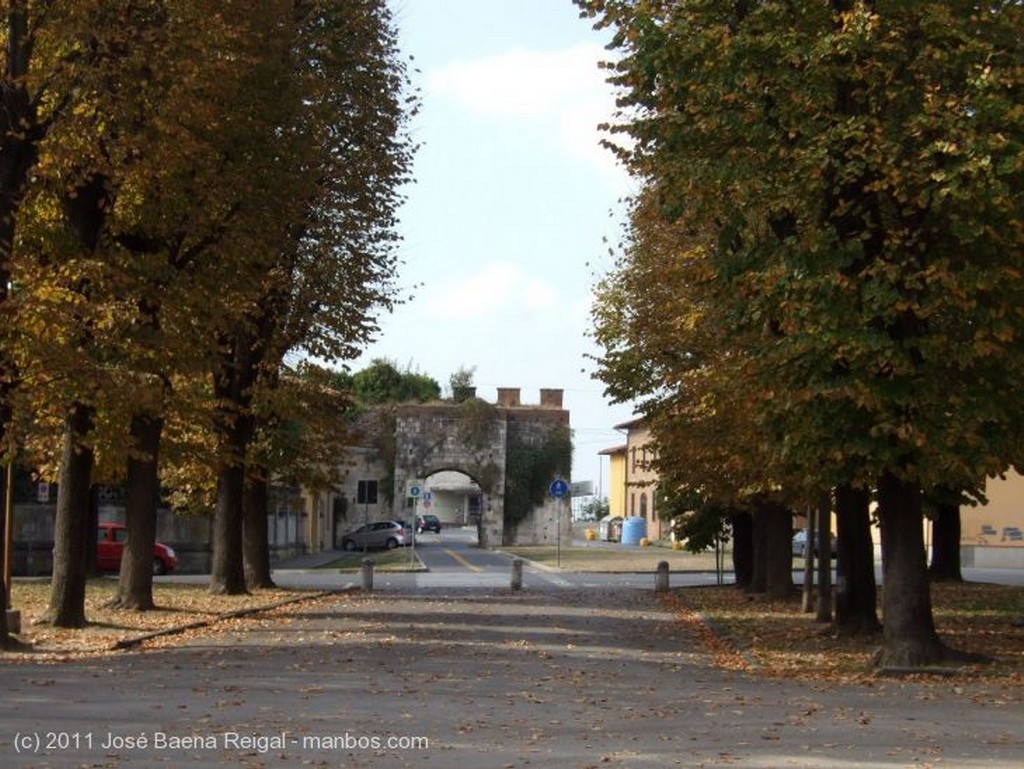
{"x":380,"y":534}
{"x":110,"y":541}
{"x":800,"y":544}
{"x":428,"y":522}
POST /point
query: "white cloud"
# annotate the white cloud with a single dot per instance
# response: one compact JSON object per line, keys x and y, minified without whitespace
{"x":496,"y":288}
{"x":523,"y":82}
{"x":564,"y":89}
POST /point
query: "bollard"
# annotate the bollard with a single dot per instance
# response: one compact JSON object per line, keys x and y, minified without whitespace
{"x":368,"y":575}
{"x":517,"y":574}
{"x":661,"y":578}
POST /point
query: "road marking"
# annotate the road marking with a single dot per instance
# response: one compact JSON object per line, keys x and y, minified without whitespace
{"x":463,"y":561}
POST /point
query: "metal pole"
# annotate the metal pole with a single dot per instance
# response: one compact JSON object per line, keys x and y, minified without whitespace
{"x":558,"y":534}
{"x":8,"y":531}
{"x":415,"y":515}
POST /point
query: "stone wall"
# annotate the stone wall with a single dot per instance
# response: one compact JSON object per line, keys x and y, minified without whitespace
{"x":434,"y":437}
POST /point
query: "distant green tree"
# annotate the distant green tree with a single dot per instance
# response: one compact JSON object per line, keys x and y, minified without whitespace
{"x":594,"y":509}
{"x":382,"y":382}
{"x":461,"y":383}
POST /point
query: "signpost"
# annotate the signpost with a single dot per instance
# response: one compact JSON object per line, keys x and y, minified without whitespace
{"x":414,"y":489}
{"x":559,"y":489}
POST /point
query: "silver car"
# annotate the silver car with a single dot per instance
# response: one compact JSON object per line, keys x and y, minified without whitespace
{"x":369,"y":536}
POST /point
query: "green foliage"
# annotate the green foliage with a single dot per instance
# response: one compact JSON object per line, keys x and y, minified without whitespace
{"x":697,"y":524}
{"x":477,"y":421}
{"x":461,"y":384}
{"x":530,"y":467}
{"x":825,"y":273}
{"x":594,"y":509}
{"x":382,"y":382}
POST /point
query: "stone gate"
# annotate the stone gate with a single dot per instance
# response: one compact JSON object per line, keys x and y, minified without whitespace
{"x":477,"y":438}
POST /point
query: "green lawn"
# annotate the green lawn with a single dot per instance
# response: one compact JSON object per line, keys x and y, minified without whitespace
{"x":399,"y":559}
{"x":615,"y":558}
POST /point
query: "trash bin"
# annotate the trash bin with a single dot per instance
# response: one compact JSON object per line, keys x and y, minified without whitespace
{"x":634,"y":529}
{"x":609,"y":528}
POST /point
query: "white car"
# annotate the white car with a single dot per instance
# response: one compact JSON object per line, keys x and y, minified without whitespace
{"x":800,"y":544}
{"x":389,"y":534}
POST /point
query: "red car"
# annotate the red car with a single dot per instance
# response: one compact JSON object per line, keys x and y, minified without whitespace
{"x":110,"y":541}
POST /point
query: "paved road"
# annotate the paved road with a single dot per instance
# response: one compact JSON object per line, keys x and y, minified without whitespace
{"x":449,"y":668}
{"x":453,"y":561}
{"x":436,"y":677}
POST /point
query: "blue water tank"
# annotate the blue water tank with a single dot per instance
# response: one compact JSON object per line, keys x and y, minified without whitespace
{"x":633,"y":530}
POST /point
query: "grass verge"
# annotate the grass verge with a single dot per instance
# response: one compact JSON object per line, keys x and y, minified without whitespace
{"x":776,"y":638}
{"x":603,"y":557}
{"x":399,"y":559}
{"x":179,"y":605}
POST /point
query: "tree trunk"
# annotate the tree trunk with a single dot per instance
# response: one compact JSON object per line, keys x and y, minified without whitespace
{"x":856,"y":590}
{"x":70,"y":536}
{"x":6,"y":642}
{"x":233,"y":382}
{"x":135,"y":583}
{"x":908,"y":627}
{"x":773,"y":555}
{"x":742,"y":547}
{"x":20,"y":134}
{"x":255,"y":539}
{"x":824,"y":546}
{"x":945,"y":565}
{"x":759,"y":558}
{"x":809,"y":536}
{"x":227,"y":575}
{"x":778,"y":534}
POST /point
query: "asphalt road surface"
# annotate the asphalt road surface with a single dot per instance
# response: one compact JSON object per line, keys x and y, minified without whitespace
{"x":450,"y":669}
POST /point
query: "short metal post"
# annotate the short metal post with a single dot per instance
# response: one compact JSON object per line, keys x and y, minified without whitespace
{"x":661,"y":578}
{"x":368,"y":575}
{"x":517,"y":574}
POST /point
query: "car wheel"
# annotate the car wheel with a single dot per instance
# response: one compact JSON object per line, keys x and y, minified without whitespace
{"x":158,"y":567}
{"x":392,"y":543}
{"x":348,"y":546}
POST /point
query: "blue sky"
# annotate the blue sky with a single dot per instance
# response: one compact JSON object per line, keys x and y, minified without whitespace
{"x":505,"y":228}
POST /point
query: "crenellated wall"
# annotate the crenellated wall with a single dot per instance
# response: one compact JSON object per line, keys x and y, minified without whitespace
{"x":474,"y":438}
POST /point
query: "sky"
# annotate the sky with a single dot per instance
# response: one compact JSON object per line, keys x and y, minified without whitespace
{"x":507,"y":226}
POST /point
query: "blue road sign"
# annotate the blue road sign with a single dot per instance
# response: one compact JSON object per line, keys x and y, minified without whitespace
{"x":559,"y":488}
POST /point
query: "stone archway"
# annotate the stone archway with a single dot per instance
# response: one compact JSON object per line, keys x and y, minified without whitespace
{"x":474,"y":437}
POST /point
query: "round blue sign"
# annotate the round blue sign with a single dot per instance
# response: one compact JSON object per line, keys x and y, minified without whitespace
{"x":558,"y":488}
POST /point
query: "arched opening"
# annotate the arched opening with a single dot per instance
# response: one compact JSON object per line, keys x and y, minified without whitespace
{"x":454,"y":497}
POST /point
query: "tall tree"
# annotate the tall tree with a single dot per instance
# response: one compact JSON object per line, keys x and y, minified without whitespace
{"x":332,"y":269}
{"x":861,"y":168}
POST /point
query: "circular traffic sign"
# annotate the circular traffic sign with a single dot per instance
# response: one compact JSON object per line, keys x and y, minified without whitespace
{"x":558,"y":488}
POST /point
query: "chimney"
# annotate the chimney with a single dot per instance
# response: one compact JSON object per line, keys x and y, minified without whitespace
{"x":551,"y":398}
{"x":508,"y":396}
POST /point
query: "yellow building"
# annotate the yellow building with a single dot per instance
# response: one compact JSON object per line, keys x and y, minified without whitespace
{"x":992,"y":535}
{"x":616,"y":480}
{"x":633,"y":480}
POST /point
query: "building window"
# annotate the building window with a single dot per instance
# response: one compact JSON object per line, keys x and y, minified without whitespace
{"x":643,"y":506}
{"x":366,"y":493}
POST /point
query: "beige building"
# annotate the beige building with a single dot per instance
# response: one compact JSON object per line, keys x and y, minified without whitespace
{"x":992,"y":535}
{"x":633,"y":479}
